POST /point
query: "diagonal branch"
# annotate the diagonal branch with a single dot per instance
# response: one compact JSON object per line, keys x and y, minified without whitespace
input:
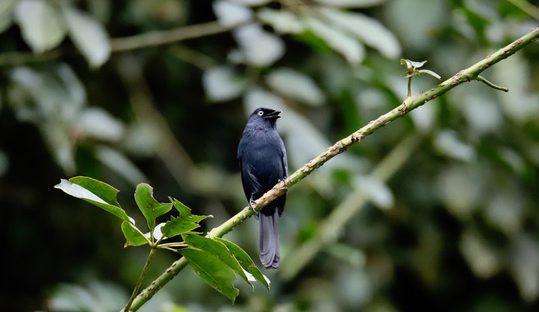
{"x":409,"y":104}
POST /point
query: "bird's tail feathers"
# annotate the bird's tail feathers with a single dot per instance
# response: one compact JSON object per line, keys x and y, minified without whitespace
{"x":269,"y":240}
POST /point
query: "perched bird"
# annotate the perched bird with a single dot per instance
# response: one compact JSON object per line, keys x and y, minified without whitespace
{"x":263,"y":163}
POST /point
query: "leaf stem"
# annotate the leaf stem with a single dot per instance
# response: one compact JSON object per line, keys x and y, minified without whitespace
{"x":127,"y":307}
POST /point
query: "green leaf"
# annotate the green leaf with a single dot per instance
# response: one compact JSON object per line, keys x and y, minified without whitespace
{"x":184,"y":223}
{"x":296,"y":85}
{"x":133,"y":235}
{"x":217,"y":249}
{"x":370,"y":31}
{"x":95,"y":192}
{"x":6,"y":12}
{"x":349,"y":47}
{"x":245,"y":261}
{"x":213,"y":271}
{"x":150,"y":208}
{"x":40,"y":23}
{"x":282,"y":21}
{"x":88,"y":35}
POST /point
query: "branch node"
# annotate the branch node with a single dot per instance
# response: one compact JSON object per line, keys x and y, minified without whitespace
{"x":490,"y":84}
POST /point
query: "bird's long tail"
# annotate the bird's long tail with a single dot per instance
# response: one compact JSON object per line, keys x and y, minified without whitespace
{"x":269,"y":240}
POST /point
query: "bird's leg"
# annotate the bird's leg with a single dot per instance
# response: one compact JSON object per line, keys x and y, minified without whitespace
{"x":251,"y":203}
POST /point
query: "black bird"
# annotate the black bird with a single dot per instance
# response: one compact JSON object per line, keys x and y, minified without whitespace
{"x":263,"y":163}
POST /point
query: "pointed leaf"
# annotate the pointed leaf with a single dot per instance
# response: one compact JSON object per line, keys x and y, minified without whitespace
{"x":88,"y":35}
{"x":95,"y":192}
{"x":184,"y":223}
{"x":245,"y":261}
{"x":133,"y":235}
{"x":40,"y":23}
{"x":213,"y":271}
{"x":217,"y":249}
{"x":150,"y":208}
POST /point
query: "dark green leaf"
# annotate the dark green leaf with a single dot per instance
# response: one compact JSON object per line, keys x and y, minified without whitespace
{"x":217,"y":249}
{"x":132,"y":235}
{"x":213,"y":271}
{"x":95,"y":192}
{"x":151,"y":208}
{"x":245,"y":261}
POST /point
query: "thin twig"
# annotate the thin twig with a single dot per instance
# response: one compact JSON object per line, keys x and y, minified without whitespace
{"x":491,"y":84}
{"x":140,"y":280}
{"x":280,"y":188}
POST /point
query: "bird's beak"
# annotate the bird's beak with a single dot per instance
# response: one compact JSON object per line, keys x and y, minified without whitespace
{"x":274,"y":114}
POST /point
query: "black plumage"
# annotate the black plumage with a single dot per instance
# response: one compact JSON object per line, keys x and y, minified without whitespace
{"x":263,"y":163}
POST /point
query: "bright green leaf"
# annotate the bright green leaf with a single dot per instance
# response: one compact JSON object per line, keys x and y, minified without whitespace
{"x":245,"y":261}
{"x":217,"y":249}
{"x":184,"y":223}
{"x":132,"y":235}
{"x":150,"y":208}
{"x":40,"y":23}
{"x":88,"y":35}
{"x":95,"y":192}
{"x":213,"y":271}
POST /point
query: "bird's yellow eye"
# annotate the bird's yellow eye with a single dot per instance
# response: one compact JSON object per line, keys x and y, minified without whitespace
{"x":260,"y":113}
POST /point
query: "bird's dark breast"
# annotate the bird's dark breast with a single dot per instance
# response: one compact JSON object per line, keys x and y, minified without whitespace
{"x":262,"y":168}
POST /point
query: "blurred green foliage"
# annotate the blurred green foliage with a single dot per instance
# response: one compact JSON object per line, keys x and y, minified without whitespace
{"x":455,"y":228}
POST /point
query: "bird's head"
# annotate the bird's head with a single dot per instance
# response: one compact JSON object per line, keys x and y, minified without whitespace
{"x":265,"y":115}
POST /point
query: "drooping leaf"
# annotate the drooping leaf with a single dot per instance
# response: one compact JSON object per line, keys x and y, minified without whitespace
{"x":120,"y":164}
{"x":352,"y":50}
{"x":295,"y":85}
{"x":184,"y":223}
{"x":97,"y":193}
{"x":110,"y":129}
{"x":245,"y":261}
{"x":40,"y":23}
{"x":258,"y":47}
{"x":213,"y":271}
{"x":429,"y":72}
{"x":229,"y":13}
{"x":282,"y":21}
{"x":150,"y":208}
{"x":222,"y":83}
{"x":88,"y":35}
{"x":132,"y":235}
{"x":370,"y":31}
{"x":219,"y":250}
